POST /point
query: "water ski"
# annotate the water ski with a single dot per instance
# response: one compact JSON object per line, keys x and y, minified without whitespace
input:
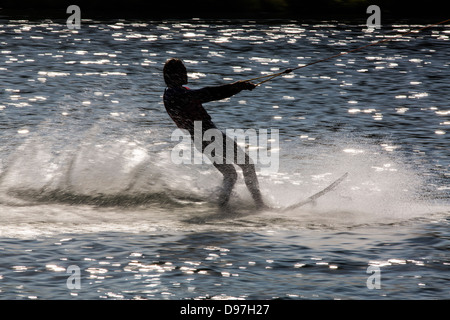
{"x":226,"y":214}
{"x":316,"y":195}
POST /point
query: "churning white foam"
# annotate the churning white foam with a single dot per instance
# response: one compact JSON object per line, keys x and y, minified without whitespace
{"x":101,"y":183}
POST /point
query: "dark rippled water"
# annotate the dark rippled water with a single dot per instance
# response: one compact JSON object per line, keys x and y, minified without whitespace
{"x":87,"y":181}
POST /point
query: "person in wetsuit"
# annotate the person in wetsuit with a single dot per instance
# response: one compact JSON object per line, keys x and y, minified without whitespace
{"x":184,"y":106}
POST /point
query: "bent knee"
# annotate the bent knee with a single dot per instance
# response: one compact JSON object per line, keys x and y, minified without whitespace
{"x":228,"y":171}
{"x":231,"y":176}
{"x":247,"y":167}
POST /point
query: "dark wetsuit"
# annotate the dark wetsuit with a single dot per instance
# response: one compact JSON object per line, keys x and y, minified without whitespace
{"x":184,"y":106}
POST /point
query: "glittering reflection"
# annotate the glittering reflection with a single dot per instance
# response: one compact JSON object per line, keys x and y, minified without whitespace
{"x":20,"y":268}
{"x":55,"y":268}
{"x":442,"y":112}
{"x":102,"y":85}
{"x":353,"y":151}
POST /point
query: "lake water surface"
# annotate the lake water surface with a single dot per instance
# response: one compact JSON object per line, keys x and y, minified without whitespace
{"x":87,"y":180}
